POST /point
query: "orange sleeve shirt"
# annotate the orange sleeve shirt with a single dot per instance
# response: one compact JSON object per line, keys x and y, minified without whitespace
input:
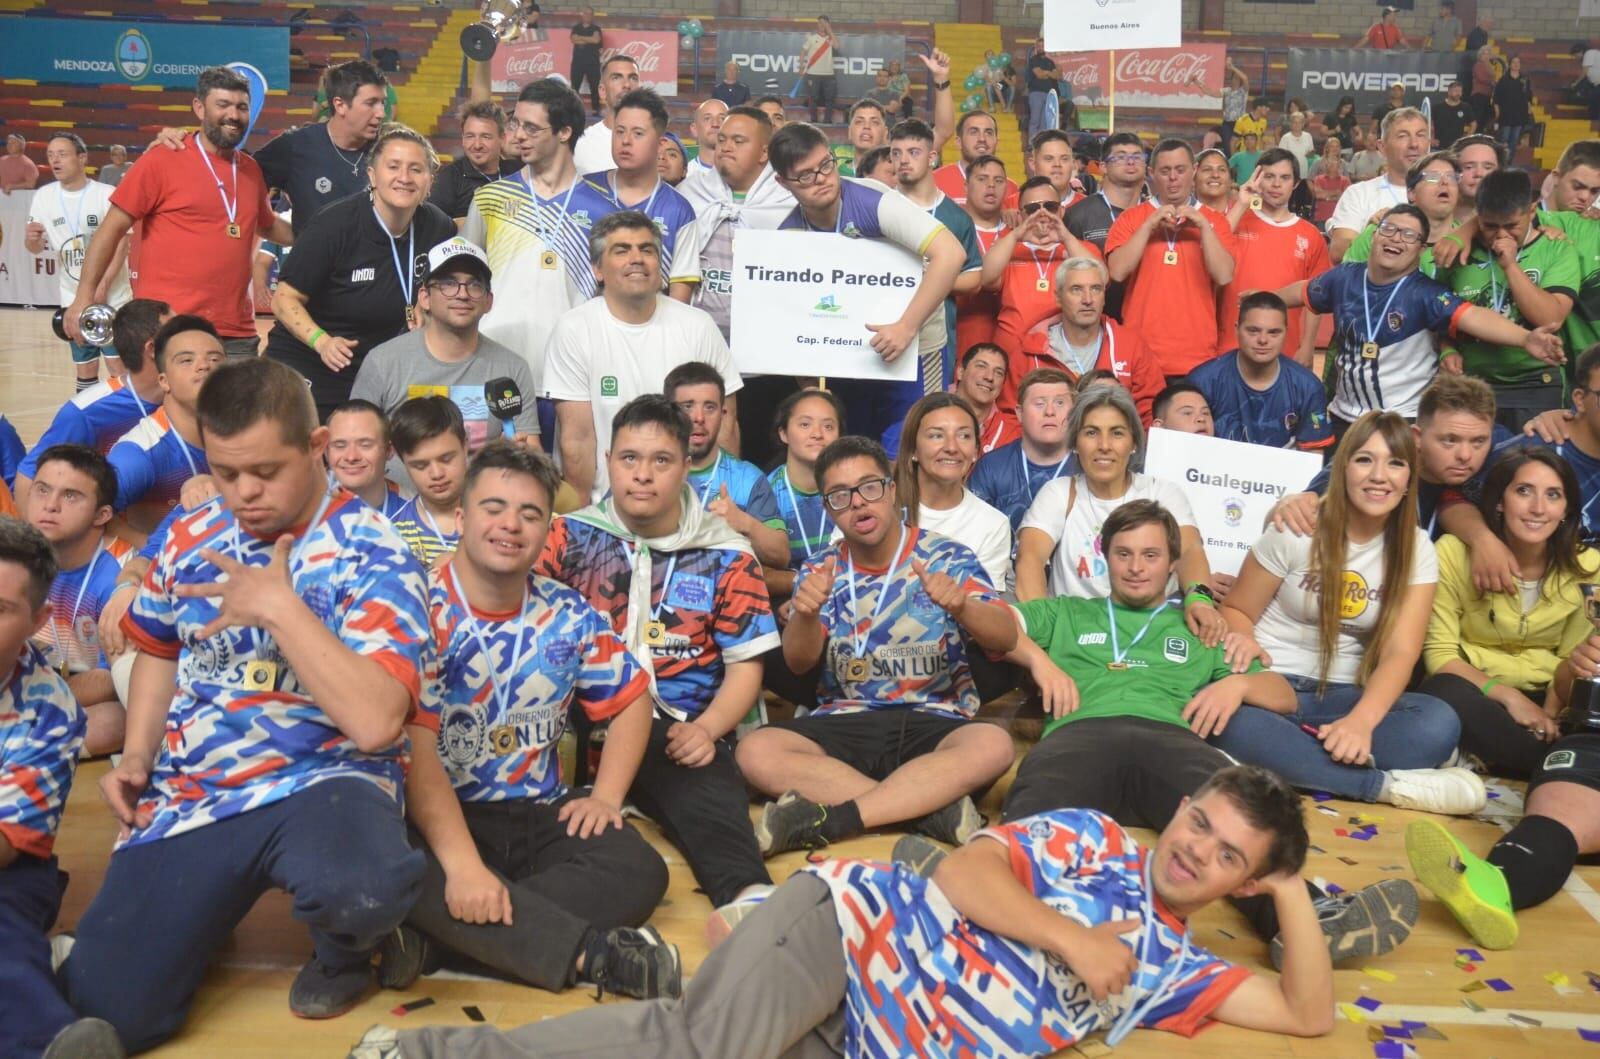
{"x":1270,"y":256}
{"x":1170,"y":300}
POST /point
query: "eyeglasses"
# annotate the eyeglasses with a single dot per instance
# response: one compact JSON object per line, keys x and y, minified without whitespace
{"x":1439,"y":178}
{"x":1124,"y":158}
{"x":1030,"y":208}
{"x":1409,"y":236}
{"x":514,"y":126}
{"x":869,"y":490}
{"x":806,"y":177}
{"x":474,"y":288}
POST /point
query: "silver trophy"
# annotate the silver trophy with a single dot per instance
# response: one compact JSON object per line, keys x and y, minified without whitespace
{"x":95,"y":323}
{"x":498,"y":20}
{"x":1583,"y":701}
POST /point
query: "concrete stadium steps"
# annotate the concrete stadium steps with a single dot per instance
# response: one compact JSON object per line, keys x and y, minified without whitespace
{"x":965,"y":43}
{"x":432,"y":86}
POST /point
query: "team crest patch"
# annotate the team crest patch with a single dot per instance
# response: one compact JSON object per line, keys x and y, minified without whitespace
{"x":1175,"y":650}
{"x":461,"y":733}
{"x":690,"y":592}
{"x":1039,"y":829}
{"x":1560,"y":759}
{"x":559,"y":652}
{"x":1396,"y":320}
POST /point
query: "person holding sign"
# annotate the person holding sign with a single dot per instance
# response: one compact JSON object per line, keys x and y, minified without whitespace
{"x":684,"y":592}
{"x":887,"y":611}
{"x":1343,"y":614}
{"x":1258,"y":394}
{"x":1059,"y":544}
{"x":805,"y":166}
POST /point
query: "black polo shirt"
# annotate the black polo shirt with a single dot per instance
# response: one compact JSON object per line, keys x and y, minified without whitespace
{"x":305,"y":165}
{"x":454,"y":184}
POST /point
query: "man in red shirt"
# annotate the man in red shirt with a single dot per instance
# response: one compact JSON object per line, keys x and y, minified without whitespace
{"x":986,"y":193}
{"x":1082,"y":338}
{"x":1050,"y":155}
{"x":1384,"y":34}
{"x":980,"y":379}
{"x":198,"y":213}
{"x":1275,"y":248}
{"x":976,"y":134}
{"x":1173,"y":254}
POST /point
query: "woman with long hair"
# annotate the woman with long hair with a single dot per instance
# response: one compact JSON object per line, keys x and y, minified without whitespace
{"x":938,"y":449}
{"x":1493,"y":655}
{"x":1342,"y":615}
{"x":1513,"y":104}
{"x":1342,"y":119}
{"x":805,"y":422}
{"x":1058,"y":546}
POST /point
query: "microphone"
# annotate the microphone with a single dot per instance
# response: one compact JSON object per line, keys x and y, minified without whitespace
{"x":504,"y":399}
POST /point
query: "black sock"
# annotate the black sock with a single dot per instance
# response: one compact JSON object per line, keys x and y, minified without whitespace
{"x":594,"y":950}
{"x":1536,"y":856}
{"x":83,"y":384}
{"x":840,"y":821}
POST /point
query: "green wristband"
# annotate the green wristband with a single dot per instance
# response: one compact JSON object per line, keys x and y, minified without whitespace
{"x":1195,"y":597}
{"x":318,"y":333}
{"x":1488,"y":686}
{"x":1453,"y":237}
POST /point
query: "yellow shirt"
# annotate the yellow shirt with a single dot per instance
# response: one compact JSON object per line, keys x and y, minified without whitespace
{"x":1248,"y":124}
{"x":1490,"y":632}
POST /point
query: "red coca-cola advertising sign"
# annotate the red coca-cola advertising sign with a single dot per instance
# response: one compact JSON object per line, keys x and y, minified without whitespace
{"x":656,"y":52}
{"x":1186,"y":78}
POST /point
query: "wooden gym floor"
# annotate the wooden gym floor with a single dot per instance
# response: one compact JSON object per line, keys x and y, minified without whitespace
{"x":242,"y":1010}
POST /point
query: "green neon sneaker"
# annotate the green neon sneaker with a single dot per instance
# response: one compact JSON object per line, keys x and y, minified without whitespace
{"x":1471,"y":888}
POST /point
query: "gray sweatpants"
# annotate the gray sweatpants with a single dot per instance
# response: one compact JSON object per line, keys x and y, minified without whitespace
{"x":774,"y":989}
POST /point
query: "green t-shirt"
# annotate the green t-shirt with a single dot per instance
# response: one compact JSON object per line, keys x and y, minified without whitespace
{"x":1551,"y":264}
{"x":1582,"y":328}
{"x":1243,"y":163}
{"x":1166,"y":666}
{"x":1361,"y":249}
{"x":845,"y":155}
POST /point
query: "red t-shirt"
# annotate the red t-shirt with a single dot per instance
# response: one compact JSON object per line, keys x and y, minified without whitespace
{"x":952,"y":180}
{"x":1382,"y":36}
{"x":976,"y":312}
{"x":1173,"y":306}
{"x":1027,"y":295}
{"x":1001,"y":428}
{"x":186,"y":256}
{"x":1271,"y":255}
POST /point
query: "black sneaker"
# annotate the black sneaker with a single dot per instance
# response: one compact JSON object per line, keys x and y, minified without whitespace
{"x":320,"y":992}
{"x":920,"y":854}
{"x":636,"y":962}
{"x":1371,"y":921}
{"x":791,"y":822}
{"x":404,"y":955}
{"x":86,"y":1039}
{"x":953,"y":824}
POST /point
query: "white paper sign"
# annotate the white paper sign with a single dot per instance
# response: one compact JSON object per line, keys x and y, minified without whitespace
{"x":1093,"y":25}
{"x":802,"y":302}
{"x":1231,"y":485}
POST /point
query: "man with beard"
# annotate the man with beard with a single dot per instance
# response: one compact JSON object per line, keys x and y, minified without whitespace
{"x":483,"y":140}
{"x":198,"y":214}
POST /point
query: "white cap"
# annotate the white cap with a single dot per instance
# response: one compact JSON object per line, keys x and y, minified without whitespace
{"x":453,"y":249}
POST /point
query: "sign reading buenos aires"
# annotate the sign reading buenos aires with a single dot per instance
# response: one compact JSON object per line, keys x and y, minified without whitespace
{"x":803,"y":300}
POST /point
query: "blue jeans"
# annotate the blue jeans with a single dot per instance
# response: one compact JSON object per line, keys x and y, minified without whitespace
{"x":32,"y":1010}
{"x":1511,"y":136}
{"x":1037,"y":101}
{"x":1419,"y":732}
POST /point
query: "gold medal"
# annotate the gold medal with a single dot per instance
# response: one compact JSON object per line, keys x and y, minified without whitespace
{"x":549,"y":260}
{"x":1043,"y":284}
{"x":411,"y":316}
{"x":1255,"y":202}
{"x":1116,"y":665}
{"x":655,"y":633}
{"x":503,"y":739}
{"x":857,"y":669}
{"x":1170,"y":257}
{"x":1369,"y":351}
{"x":233,"y":230}
{"x":260,"y":675}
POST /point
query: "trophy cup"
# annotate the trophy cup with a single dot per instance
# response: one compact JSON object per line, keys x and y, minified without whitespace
{"x":95,"y":323}
{"x":498,"y":20}
{"x":1583,"y":701}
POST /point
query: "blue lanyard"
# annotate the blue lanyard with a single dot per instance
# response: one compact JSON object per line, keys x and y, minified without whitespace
{"x":1027,"y":479}
{"x":1130,"y":1019}
{"x":538,"y":215}
{"x":501,"y":695}
{"x":1117,"y":654}
{"x":1366,"y":303}
{"x":666,"y":582}
{"x":408,"y":279}
{"x":856,"y":636}
{"x":805,"y":533}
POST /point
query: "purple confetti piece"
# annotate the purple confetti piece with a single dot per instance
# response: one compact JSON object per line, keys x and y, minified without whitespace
{"x":1397,"y":1031}
{"x":1499,"y":985}
{"x":1389,"y":1050}
{"x":1366,"y":1003}
{"x":1592,"y":1036}
{"x":1472,"y":954}
{"x":1493,"y":794}
{"x":1410,"y":1025}
{"x":1363,"y":836}
{"x":1334,"y":888}
{"x":1321,"y":796}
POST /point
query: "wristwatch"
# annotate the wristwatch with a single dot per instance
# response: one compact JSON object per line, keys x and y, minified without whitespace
{"x":1200,"y":588}
{"x":940,"y":86}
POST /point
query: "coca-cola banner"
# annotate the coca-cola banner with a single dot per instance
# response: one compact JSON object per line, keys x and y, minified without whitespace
{"x":656,"y":52}
{"x":1323,"y":76}
{"x":1186,"y":78}
{"x":774,"y":55}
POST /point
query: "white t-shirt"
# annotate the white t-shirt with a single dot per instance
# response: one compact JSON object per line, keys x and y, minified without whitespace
{"x":1301,"y":147}
{"x":593,"y":151}
{"x":980,"y":527}
{"x":1360,"y":201}
{"x":1591,"y":65}
{"x":1077,"y":566}
{"x":70,"y":219}
{"x":595,"y":357}
{"x":1287,"y":629}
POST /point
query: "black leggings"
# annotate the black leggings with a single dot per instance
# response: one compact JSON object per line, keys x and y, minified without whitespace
{"x":1487,"y":730}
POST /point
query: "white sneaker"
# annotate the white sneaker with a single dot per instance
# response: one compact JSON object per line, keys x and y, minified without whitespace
{"x":60,"y":948}
{"x":725,"y":918}
{"x":1453,"y":791}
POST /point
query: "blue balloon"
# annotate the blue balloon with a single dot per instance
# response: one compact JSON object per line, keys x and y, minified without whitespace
{"x":258,"y":93}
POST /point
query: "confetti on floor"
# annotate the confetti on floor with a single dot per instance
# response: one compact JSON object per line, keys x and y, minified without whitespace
{"x":1367,"y":1003}
{"x":413,"y":1005}
{"x":1473,"y":987}
{"x":1471,"y":954}
{"x":1556,"y":978}
{"x":1499,"y":985}
{"x":1523,"y":1020}
{"x":1397,"y":1031}
{"x":1393,"y":1050}
{"x":1353,"y":1013}
{"x":1428,"y":1033}
{"x":1472,"y":1005}
{"x":1592,"y":1036}
{"x":472,"y":1012}
{"x":1380,"y":975}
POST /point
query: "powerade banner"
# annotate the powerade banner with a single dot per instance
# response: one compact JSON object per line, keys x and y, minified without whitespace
{"x":1323,"y":76}
{"x":764,"y":54}
{"x":91,"y":51}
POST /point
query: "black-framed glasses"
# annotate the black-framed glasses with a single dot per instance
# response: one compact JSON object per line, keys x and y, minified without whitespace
{"x":475,"y":288}
{"x":806,"y":177}
{"x":1409,"y":236}
{"x":1030,"y":208}
{"x":869,"y":490}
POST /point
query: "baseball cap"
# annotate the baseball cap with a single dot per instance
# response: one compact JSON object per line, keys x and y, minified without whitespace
{"x":462,"y":253}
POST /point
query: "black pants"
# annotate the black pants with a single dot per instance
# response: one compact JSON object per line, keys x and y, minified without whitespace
{"x":1516,"y":403}
{"x":758,"y":402}
{"x":587,"y":68}
{"x":821,"y":93}
{"x":560,"y":887}
{"x":703,"y":811}
{"x":1134,"y":770}
{"x":1487,"y":730}
{"x":32,"y":1010}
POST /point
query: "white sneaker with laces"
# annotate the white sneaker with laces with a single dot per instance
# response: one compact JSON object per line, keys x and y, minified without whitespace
{"x":1453,"y":791}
